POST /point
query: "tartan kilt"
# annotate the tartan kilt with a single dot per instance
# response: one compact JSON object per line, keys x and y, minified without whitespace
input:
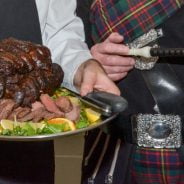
{"x":157,"y":166}
{"x":134,"y":165}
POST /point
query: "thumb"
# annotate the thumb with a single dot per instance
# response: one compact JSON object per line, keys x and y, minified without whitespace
{"x":88,"y":82}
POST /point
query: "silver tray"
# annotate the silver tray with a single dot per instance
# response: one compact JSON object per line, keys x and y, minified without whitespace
{"x":104,"y":121}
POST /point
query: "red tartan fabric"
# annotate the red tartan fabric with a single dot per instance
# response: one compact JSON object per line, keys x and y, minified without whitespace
{"x":157,"y":166}
{"x":131,"y":18}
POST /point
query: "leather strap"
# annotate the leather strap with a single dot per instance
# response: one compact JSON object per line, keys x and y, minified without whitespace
{"x":166,"y":80}
{"x":165,"y":88}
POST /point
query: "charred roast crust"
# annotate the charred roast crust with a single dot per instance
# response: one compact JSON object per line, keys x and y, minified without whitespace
{"x":26,"y":71}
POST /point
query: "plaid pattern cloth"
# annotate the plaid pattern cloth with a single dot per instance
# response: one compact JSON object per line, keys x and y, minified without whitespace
{"x":131,"y":18}
{"x":157,"y":166}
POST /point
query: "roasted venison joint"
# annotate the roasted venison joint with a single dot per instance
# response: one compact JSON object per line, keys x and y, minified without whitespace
{"x":27,"y":78}
{"x":26,"y":71}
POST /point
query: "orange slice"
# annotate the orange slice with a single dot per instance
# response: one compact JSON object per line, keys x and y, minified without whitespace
{"x":61,"y":121}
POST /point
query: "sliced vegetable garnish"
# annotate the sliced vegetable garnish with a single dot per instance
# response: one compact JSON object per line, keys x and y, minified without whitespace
{"x":88,"y":116}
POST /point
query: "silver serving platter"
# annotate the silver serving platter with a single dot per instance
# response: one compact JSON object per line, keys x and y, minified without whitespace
{"x":62,"y":134}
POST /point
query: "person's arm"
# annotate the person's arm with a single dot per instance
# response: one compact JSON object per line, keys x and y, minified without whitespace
{"x":112,"y":55}
{"x":63,"y":33}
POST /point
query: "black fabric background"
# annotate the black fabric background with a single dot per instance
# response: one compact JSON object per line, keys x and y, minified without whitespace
{"x":19,"y":19}
{"x":83,"y":11}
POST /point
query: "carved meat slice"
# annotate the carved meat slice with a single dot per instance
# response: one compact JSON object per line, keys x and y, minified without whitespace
{"x":74,"y":114}
{"x":6,"y":108}
{"x":36,"y":105}
{"x":49,"y":104}
{"x":64,"y":104}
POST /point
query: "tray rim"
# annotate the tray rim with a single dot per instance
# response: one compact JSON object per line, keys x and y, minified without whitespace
{"x":56,"y":135}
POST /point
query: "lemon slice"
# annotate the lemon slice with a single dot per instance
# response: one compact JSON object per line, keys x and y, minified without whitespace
{"x":7,"y":124}
{"x":61,"y":121}
{"x":92,"y":115}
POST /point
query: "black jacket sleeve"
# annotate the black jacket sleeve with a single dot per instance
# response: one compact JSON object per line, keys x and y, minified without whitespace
{"x":83,"y":11}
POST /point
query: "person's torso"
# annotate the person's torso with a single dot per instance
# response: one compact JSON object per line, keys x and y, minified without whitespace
{"x":107,"y":17}
{"x":133,"y":87}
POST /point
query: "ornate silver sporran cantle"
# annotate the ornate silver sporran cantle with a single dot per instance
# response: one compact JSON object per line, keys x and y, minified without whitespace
{"x":143,"y":63}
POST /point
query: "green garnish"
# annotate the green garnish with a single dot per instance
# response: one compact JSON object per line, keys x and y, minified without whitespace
{"x":83,"y":121}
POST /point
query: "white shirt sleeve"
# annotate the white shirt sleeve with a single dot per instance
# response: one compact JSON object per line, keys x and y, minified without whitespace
{"x":63,"y":33}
